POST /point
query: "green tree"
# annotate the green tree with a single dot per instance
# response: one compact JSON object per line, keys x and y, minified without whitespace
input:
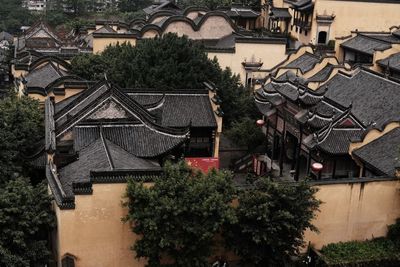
{"x":77,"y":7}
{"x":13,"y":16}
{"x":25,"y":218}
{"x":133,"y":5}
{"x":21,"y":127}
{"x":180,"y":215}
{"x":271,"y":220}
{"x":245,"y":132}
{"x":168,"y":62}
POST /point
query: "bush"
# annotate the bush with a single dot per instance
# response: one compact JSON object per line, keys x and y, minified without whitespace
{"x":376,"y":252}
{"x":394,"y":232}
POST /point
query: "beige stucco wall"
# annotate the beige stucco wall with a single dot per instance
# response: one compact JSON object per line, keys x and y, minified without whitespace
{"x":93,"y":231}
{"x":99,"y":44}
{"x":355,"y":211}
{"x":269,"y":54}
{"x":363,"y":16}
{"x":214,"y":27}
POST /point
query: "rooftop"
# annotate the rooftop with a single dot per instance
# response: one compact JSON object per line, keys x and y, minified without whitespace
{"x":382,"y":153}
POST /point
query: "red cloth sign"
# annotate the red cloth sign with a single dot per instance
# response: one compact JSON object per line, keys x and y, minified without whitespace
{"x":203,"y":164}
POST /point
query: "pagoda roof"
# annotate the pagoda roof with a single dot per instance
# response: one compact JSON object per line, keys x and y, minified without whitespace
{"x":382,"y":154}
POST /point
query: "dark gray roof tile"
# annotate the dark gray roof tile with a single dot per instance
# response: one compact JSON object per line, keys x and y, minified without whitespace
{"x":383,"y":153}
{"x":305,"y":62}
{"x":364,"y":44}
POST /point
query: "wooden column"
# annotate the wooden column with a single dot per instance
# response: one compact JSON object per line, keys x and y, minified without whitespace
{"x":334,"y":169}
{"x":308,"y":163}
{"x":297,"y":174}
{"x":282,"y":150}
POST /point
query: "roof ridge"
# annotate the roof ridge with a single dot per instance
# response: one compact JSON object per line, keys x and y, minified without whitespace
{"x":108,"y":154}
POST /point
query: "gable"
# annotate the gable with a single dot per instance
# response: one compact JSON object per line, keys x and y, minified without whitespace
{"x":41,"y":34}
{"x":109,"y":110}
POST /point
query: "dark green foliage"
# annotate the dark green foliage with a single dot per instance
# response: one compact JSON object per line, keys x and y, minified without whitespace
{"x":394,"y":232}
{"x":91,"y":66}
{"x":168,"y":62}
{"x":245,"y":132}
{"x":133,"y":5}
{"x":13,"y":15}
{"x":180,"y":215}
{"x":21,"y":126}
{"x":271,"y":220}
{"x":25,"y":215}
{"x":211,"y":4}
{"x":376,"y":252}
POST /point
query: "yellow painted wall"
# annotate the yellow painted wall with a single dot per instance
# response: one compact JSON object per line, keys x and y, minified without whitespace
{"x":364,"y":16}
{"x":356,"y":211}
{"x":269,"y":54}
{"x":213,"y":28}
{"x":99,"y":44}
{"x":93,"y":231}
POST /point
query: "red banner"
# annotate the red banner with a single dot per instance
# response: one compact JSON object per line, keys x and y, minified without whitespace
{"x":203,"y":164}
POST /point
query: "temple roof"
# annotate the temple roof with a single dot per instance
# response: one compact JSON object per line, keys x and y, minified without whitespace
{"x":366,"y":44}
{"x":280,"y":13}
{"x":374,"y":99}
{"x":101,"y":155}
{"x":179,"y":108}
{"x":393,"y":62}
{"x":340,"y":111}
{"x":109,"y":136}
{"x":44,"y":75}
{"x":322,"y":75}
{"x":382,"y":154}
{"x":242,"y":12}
{"x":305,"y":62}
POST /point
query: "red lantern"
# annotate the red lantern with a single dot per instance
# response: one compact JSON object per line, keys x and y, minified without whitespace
{"x":260,"y":123}
{"x":317,"y":167}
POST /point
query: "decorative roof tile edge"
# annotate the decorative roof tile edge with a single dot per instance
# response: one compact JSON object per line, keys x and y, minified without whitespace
{"x":62,"y":200}
{"x":121,"y":176}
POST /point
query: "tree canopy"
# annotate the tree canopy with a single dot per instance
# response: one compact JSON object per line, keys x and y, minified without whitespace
{"x":167,"y":62}
{"x":271,"y":220}
{"x":21,"y":127}
{"x":13,"y":15}
{"x":180,"y":215}
{"x":25,"y":218}
{"x":25,"y":208}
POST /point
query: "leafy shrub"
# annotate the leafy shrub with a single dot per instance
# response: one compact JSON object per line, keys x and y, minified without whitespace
{"x":394,"y":232}
{"x":375,"y":252}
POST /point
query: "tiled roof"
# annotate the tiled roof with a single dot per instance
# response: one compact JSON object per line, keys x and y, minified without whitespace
{"x":338,"y":141}
{"x":387,"y":37}
{"x":393,"y":61}
{"x":100,"y":155}
{"x":242,"y":12}
{"x":44,"y":75}
{"x":374,"y":99}
{"x":6,"y":36}
{"x":305,"y":62}
{"x":382,"y":153}
{"x":105,"y":29}
{"x":322,"y":75}
{"x":366,"y":44}
{"x":179,"y":108}
{"x":137,"y":139}
{"x":280,"y":13}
